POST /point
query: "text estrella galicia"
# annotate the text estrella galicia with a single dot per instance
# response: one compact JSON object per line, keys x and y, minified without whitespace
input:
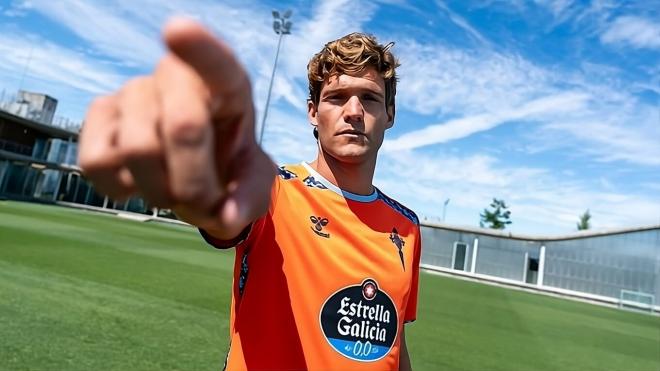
{"x":360,"y":321}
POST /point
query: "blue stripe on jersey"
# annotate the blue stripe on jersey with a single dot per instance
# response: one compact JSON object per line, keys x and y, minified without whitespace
{"x":398,"y":207}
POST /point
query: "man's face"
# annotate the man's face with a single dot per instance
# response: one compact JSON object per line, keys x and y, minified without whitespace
{"x":351,"y":117}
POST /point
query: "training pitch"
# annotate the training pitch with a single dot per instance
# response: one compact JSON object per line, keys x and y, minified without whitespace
{"x":87,"y":291}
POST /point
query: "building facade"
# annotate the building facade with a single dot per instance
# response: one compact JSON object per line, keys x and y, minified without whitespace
{"x":38,"y":163}
{"x":36,"y":107}
{"x":616,"y":266}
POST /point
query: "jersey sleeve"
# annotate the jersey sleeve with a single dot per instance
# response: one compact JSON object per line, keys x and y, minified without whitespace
{"x":411,"y":306}
{"x":228,"y":244}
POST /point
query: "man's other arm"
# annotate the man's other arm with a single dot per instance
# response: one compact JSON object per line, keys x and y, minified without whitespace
{"x":404,"y":358}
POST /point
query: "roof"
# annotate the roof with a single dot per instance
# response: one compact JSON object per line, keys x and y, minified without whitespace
{"x":540,"y":238}
{"x":29,"y":160}
{"x":50,"y":130}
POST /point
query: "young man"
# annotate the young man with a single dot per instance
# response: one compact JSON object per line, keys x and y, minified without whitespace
{"x":326,"y":270}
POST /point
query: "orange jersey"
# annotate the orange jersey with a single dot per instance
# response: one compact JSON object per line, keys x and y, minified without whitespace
{"x":324,"y":281}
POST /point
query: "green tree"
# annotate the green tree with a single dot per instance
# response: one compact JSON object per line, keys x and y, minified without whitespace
{"x":498,"y":217}
{"x":584,"y":224}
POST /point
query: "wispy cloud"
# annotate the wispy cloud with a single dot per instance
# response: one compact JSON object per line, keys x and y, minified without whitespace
{"x":540,"y":199}
{"x":440,"y":79}
{"x":329,"y":20}
{"x":633,"y":31}
{"x":16,"y":9}
{"x":591,"y":108}
{"x":561,"y":10}
{"x":652,"y":186}
{"x":557,"y":7}
{"x":594,"y":111}
{"x":463,"y":23}
{"x":615,"y":141}
{"x":44,"y":60}
{"x":539,"y":109}
{"x":107,"y":29}
{"x":73,"y":77}
{"x":128,"y":35}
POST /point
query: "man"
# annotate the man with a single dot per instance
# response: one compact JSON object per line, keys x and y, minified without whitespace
{"x":326,"y":270}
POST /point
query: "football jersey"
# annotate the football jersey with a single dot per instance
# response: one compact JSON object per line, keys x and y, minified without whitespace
{"x":325,"y":280}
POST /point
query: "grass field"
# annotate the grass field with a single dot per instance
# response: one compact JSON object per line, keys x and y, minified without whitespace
{"x":83,"y":291}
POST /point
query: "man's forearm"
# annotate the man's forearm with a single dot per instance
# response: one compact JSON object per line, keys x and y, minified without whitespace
{"x":404,"y":358}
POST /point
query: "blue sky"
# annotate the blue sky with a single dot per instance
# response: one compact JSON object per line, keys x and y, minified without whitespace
{"x":553,"y":106}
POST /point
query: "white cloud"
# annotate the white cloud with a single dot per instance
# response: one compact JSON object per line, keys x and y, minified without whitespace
{"x":17,"y":9}
{"x":44,"y":60}
{"x":462,"y":23}
{"x":73,"y":77}
{"x":129,"y":34}
{"x":329,"y":20}
{"x":635,"y":31}
{"x":543,"y":109}
{"x":613,"y":141}
{"x":590,"y":110}
{"x":652,"y":186}
{"x":557,"y":7}
{"x":436,"y":78}
{"x":288,"y":137}
{"x":540,"y":199}
{"x":106,"y":28}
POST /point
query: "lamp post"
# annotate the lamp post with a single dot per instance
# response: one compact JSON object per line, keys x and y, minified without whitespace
{"x":281,"y":26}
{"x":444,"y":209}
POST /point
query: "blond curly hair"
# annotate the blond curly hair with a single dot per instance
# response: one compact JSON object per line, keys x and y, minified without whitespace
{"x":350,"y":55}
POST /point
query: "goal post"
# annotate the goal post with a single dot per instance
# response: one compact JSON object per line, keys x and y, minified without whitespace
{"x":636,"y":300}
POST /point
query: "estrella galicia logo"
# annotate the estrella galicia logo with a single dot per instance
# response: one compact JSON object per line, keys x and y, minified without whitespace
{"x":360,"y":321}
{"x":319,"y":223}
{"x":399,"y":243}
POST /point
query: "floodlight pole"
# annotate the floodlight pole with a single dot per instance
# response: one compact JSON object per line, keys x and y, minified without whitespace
{"x":282,"y":27}
{"x":444,"y":209}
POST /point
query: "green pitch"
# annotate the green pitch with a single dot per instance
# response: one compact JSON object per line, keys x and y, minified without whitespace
{"x":84,"y":291}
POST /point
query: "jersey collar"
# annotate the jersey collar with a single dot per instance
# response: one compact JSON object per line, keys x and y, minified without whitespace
{"x":346,"y":194}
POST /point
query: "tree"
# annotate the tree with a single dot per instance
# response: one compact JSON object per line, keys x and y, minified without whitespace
{"x":584,"y":224}
{"x":498,"y":217}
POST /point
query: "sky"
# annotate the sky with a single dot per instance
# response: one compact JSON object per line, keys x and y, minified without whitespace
{"x":550,"y":105}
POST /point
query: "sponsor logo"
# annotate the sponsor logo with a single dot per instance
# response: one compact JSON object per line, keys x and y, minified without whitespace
{"x":319,"y":223}
{"x":369,"y":289}
{"x":286,"y":174}
{"x":360,"y":321}
{"x":399,"y":243}
{"x":313,"y":183}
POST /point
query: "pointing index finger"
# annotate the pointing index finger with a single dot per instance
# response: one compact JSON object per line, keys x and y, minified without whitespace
{"x":211,"y":59}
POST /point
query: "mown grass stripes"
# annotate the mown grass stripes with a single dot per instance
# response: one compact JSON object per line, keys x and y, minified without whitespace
{"x":81,"y":290}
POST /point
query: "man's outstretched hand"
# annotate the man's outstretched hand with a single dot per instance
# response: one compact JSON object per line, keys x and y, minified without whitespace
{"x":183,"y":137}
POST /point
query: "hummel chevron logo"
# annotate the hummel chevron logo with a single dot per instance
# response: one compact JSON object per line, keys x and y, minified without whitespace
{"x":319,"y":223}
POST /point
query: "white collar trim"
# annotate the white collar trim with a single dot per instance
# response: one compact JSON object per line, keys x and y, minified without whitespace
{"x":346,"y":194}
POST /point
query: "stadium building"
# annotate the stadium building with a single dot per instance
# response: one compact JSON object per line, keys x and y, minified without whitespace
{"x":616,"y":267}
{"x":38,"y":158}
{"x":620,"y":267}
